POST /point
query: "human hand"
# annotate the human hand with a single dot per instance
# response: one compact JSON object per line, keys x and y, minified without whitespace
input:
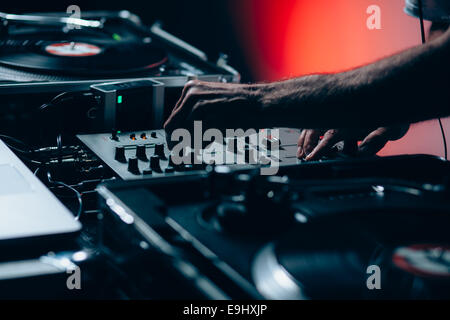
{"x":217,"y":105}
{"x":312,"y":147}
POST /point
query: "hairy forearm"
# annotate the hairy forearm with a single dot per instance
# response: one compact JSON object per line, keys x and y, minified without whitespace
{"x":408,"y":87}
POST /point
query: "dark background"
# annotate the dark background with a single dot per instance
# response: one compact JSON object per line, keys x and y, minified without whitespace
{"x":207,"y":24}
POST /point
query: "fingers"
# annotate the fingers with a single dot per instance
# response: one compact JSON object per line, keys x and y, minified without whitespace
{"x":301,"y":140}
{"x":196,"y":85}
{"x":310,"y":146}
{"x":189,"y":90}
{"x":196,"y":91}
{"x":374,"y":142}
{"x":189,"y":85}
{"x":311,"y":140}
{"x":308,"y":140}
{"x":330,"y":138}
{"x":179,"y":117}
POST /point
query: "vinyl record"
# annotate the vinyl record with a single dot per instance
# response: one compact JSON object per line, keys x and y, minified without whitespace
{"x":334,"y":260}
{"x":85,"y":57}
{"x":424,"y":260}
{"x":314,"y":262}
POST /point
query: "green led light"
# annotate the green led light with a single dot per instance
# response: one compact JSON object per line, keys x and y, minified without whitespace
{"x":119,"y":132}
{"x":116,"y":37}
{"x":119,"y":99}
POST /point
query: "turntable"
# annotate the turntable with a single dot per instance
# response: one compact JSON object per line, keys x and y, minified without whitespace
{"x":107,"y":45}
{"x":316,"y":231}
{"x":51,"y":53}
{"x":40,"y":58}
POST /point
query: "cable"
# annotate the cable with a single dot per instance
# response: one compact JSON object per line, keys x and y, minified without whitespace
{"x":422,"y":26}
{"x":64,"y":97}
{"x":78,"y":194}
{"x":422,"y":32}
{"x":15,"y":140}
{"x":37,"y":171}
{"x":444,"y":139}
{"x":22,"y":154}
{"x":60,"y":147}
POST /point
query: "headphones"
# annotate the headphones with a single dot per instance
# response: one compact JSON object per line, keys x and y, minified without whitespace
{"x":433,"y":10}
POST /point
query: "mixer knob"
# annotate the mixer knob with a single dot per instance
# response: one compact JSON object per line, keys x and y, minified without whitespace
{"x":159,"y":150}
{"x":141,"y":153}
{"x":153,"y":134}
{"x":114,"y":136}
{"x":147,"y":172}
{"x":231,"y":217}
{"x":120,"y":154}
{"x":154,"y":164}
{"x":169,"y":169}
{"x":133,"y":166}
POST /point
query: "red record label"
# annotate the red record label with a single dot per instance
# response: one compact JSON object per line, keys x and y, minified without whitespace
{"x":73,"y":49}
{"x":427,"y":260}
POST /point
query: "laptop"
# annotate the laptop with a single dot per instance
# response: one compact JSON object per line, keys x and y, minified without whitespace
{"x":28,"y":210}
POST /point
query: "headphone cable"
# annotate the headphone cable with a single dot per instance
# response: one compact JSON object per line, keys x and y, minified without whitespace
{"x":422,"y":31}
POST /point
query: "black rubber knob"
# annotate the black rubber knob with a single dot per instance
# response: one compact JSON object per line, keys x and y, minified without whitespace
{"x":159,"y":150}
{"x":153,"y":134}
{"x":120,"y":154}
{"x":141,"y":153}
{"x":133,"y":166}
{"x":231,"y":216}
{"x":169,"y":169}
{"x":114,"y":136}
{"x":154,"y":164}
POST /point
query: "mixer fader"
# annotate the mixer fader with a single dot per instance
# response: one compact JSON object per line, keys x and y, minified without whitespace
{"x":144,"y":154}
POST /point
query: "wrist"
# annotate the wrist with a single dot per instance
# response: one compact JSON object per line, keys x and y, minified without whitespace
{"x":262,"y":97}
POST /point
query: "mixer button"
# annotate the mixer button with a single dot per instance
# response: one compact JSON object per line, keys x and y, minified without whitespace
{"x":133,"y":166}
{"x":147,"y":172}
{"x":141,"y":153}
{"x":159,"y":150}
{"x":154,"y":164}
{"x":120,"y":154}
{"x":169,"y":170}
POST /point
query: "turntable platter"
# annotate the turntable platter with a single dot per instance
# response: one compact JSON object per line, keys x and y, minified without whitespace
{"x":301,"y":265}
{"x":322,"y":261}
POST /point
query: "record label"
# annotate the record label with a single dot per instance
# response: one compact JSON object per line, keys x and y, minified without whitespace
{"x":73,"y":49}
{"x":425,"y":260}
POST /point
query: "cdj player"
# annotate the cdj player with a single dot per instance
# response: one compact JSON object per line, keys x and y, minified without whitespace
{"x":313,"y":232}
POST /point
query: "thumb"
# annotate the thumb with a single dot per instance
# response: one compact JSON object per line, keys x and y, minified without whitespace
{"x":373,"y":143}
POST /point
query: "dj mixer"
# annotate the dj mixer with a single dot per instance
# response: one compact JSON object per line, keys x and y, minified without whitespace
{"x":145,"y":154}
